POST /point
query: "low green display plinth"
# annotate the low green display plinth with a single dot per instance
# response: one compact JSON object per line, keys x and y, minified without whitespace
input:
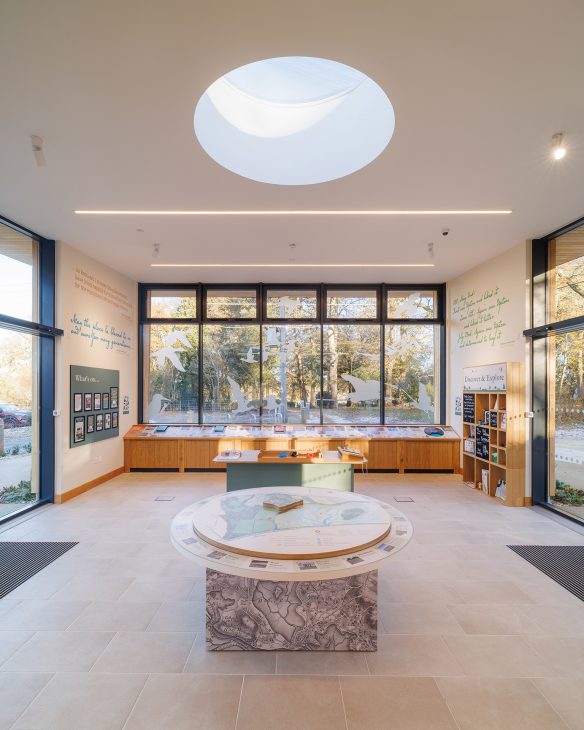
{"x":249,"y":476}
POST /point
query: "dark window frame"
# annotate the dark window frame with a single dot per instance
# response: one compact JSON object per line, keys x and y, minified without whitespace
{"x":377,"y":288}
{"x":537,"y":334}
{"x":321,"y":319}
{"x":206,"y":288}
{"x":43,"y":328}
{"x":295,"y":287}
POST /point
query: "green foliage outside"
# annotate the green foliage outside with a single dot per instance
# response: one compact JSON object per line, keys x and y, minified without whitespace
{"x":566,"y":494}
{"x":17,"y":493}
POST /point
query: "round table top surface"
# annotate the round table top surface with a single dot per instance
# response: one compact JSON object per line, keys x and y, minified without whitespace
{"x":333,"y":534}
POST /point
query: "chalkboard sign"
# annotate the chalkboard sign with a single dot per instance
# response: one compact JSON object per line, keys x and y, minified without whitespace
{"x":494,"y":419}
{"x":468,"y":408}
{"x":482,"y":448}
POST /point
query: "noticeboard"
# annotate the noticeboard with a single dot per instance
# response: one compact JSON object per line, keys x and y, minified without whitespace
{"x":95,"y":405}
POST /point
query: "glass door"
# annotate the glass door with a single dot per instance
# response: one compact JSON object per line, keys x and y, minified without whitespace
{"x":558,"y":371}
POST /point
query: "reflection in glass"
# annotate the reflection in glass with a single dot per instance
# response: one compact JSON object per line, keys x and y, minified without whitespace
{"x":566,"y":422}
{"x":411,"y":304}
{"x":291,"y":304}
{"x":351,"y":304}
{"x":171,"y":369}
{"x":352,"y":363}
{"x":566,"y":275}
{"x":171,"y":304}
{"x":18,"y":271}
{"x":291,"y":373}
{"x":231,"y":373}
{"x":411,"y":373}
{"x":231,"y":303}
{"x":18,"y":421}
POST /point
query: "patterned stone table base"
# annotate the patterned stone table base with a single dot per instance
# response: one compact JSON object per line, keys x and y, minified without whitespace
{"x":244,"y":614}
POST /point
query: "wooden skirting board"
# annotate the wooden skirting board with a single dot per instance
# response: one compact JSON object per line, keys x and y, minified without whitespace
{"x":76,"y":491}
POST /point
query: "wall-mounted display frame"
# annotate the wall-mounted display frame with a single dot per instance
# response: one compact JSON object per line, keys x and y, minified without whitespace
{"x":91,"y":391}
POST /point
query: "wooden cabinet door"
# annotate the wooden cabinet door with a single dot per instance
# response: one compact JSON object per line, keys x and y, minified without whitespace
{"x":383,"y":455}
{"x":428,"y":455}
{"x":196,"y":454}
{"x":151,"y":454}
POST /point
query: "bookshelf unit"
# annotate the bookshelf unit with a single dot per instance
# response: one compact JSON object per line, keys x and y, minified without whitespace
{"x":493,"y":437}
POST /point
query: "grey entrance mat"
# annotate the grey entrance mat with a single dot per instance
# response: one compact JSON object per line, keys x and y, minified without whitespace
{"x":19,"y":561}
{"x":562,"y":563}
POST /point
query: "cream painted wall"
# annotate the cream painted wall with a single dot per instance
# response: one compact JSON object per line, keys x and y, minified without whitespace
{"x":479,"y":333}
{"x":90,"y":293}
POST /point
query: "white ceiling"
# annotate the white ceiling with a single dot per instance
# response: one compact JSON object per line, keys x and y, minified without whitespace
{"x":478,"y":90}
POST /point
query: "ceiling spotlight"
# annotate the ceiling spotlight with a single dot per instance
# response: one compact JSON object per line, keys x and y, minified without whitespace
{"x":155,"y":250}
{"x":558,"y":148}
{"x":431,"y":250}
{"x":37,"y":150}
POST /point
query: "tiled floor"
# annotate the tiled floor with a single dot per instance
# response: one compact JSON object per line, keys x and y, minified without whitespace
{"x":111,"y":635}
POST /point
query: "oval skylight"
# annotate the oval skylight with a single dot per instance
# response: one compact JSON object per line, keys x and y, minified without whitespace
{"x":294,"y":120}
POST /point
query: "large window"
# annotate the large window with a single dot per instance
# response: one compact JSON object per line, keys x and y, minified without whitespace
{"x":231,"y":373}
{"x":352,"y":373}
{"x":558,"y":366}
{"x":291,"y":373}
{"x":26,"y":364}
{"x":412,"y":369}
{"x":292,"y":354}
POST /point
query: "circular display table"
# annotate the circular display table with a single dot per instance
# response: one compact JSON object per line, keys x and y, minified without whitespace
{"x":302,"y":579}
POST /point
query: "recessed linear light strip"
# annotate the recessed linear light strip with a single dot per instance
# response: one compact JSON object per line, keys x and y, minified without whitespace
{"x":292,"y":212}
{"x":292,"y":266}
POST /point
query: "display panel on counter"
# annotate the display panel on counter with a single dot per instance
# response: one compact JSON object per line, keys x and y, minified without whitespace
{"x":387,"y":448}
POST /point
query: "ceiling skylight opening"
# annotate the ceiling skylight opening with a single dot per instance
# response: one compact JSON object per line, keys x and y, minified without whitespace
{"x":294,"y":120}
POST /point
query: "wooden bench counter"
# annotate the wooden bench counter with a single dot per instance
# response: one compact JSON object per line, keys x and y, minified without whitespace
{"x":403,"y":450}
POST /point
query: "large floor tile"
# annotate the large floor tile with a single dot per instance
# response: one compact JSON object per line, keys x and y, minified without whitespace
{"x":179,"y":616}
{"x":417,"y":618}
{"x":17,"y":690}
{"x":498,"y":704}
{"x":201,"y":661}
{"x":494,"y":619}
{"x":291,"y":703}
{"x":412,"y":656}
{"x":59,"y":651}
{"x":497,"y":656}
{"x":407,"y":703}
{"x":566,"y":696}
{"x":38,"y":615}
{"x":323,"y":662}
{"x":93,"y":588}
{"x":563,"y":655}
{"x":187,"y":702}
{"x":144,"y":590}
{"x":83,"y":702}
{"x":115,"y":616}
{"x":565,"y":621}
{"x":11,"y":641}
{"x":146,"y":652}
{"x":488,"y":591}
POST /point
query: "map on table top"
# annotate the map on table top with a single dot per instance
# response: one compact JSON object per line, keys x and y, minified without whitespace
{"x":328,"y":523}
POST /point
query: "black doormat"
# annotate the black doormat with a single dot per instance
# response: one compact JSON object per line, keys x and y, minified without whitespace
{"x":19,"y":561}
{"x":562,"y":563}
